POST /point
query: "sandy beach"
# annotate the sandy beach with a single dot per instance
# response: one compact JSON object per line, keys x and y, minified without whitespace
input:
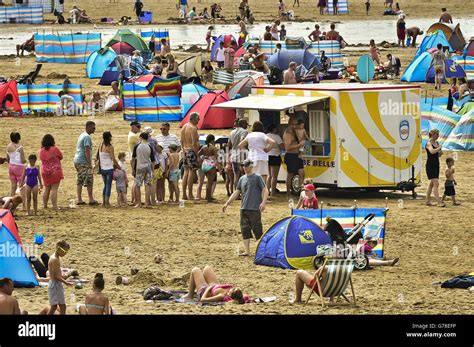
{"x":434,"y":244}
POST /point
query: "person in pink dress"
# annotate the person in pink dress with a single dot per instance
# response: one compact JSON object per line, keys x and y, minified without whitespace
{"x":51,"y":170}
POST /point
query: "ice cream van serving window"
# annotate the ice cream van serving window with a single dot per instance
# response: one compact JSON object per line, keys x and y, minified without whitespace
{"x":318,"y":129}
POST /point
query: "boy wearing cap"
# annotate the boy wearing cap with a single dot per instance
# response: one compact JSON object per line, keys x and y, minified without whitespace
{"x":56,"y":279}
{"x":310,"y":201}
{"x":254,"y":198}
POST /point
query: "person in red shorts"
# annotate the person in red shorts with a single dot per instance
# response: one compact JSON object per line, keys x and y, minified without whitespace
{"x":305,"y":278}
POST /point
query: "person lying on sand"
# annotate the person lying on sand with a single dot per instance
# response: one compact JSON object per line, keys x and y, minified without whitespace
{"x":209,"y":289}
{"x":96,"y":303}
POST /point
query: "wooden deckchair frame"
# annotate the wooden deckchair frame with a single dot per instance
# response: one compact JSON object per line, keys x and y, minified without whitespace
{"x":316,"y":276}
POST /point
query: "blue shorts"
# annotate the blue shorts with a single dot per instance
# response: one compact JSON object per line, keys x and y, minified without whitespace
{"x":174,"y":175}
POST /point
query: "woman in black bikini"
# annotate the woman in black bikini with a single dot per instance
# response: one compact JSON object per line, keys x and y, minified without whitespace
{"x":433,"y":152}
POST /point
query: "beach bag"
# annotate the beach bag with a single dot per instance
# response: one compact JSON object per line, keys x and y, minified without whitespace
{"x":462,"y":282}
{"x":97,"y":162}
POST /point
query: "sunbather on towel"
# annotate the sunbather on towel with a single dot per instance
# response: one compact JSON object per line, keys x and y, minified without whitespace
{"x":206,"y":285}
{"x":96,"y":303}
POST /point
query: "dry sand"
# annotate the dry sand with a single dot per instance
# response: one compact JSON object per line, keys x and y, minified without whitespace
{"x":433,"y":243}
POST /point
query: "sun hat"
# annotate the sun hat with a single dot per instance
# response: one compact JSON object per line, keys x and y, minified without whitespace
{"x":149,"y":130}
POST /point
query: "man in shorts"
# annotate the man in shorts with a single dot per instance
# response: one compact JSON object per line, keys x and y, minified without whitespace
{"x":237,"y":156}
{"x":294,"y":164}
{"x":191,"y":162}
{"x":143,"y":160}
{"x":83,"y":164}
{"x":254,"y":198}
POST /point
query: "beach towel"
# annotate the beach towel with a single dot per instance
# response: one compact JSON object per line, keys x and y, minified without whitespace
{"x":462,"y":282}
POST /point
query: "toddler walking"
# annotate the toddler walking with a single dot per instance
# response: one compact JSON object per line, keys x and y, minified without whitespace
{"x":450,"y":182}
{"x":121,"y":181}
{"x":173,"y":172}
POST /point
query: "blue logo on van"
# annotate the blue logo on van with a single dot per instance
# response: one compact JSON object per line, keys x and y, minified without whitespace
{"x":404,"y":129}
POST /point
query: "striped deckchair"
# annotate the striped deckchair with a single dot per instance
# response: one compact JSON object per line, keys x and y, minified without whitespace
{"x":338,"y":277}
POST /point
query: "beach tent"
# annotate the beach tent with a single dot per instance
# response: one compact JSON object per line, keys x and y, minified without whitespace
{"x":242,"y":87}
{"x":13,"y":262}
{"x":467,"y":63}
{"x":331,"y":48}
{"x":10,"y":88}
{"x":217,"y":41}
{"x":122,"y":48}
{"x":190,"y":66}
{"x":452,"y":32}
{"x":127,"y":36}
{"x":342,"y":7}
{"x":189,"y":95}
{"x":44,"y":97}
{"x":451,"y":70}
{"x":348,"y":218}
{"x":99,"y":61}
{"x":290,"y":244}
{"x":437,"y":117}
{"x":431,"y":40}
{"x":21,"y":15}
{"x":282,"y":59}
{"x":469,"y":48}
{"x":112,"y":72}
{"x":461,"y":137}
{"x":210,"y":117}
{"x":258,"y":76}
{"x":66,"y":48}
{"x":416,"y":71}
{"x":140,"y":104}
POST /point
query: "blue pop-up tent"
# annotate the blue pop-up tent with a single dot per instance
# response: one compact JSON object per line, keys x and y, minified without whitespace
{"x":416,"y":71}
{"x":283,"y":58}
{"x":451,"y":70}
{"x":99,"y":61}
{"x":431,"y":40}
{"x":290,"y":243}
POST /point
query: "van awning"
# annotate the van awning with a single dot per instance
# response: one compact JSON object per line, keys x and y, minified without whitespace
{"x":270,"y":102}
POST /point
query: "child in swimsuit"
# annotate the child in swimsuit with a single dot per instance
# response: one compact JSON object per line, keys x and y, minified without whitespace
{"x":450,"y":182}
{"x":173,"y":172}
{"x":301,"y":134}
{"x":121,"y":181}
{"x":31,"y":179}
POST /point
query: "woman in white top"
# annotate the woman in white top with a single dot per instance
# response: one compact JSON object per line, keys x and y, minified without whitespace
{"x":16,"y":162}
{"x":108,"y":163}
{"x":258,"y":145}
{"x":274,"y":158}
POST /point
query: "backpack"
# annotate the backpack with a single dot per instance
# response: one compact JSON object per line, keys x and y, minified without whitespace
{"x":397,"y":62}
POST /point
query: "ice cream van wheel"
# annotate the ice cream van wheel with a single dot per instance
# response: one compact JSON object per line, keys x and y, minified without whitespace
{"x":361,"y":261}
{"x":295,"y":185}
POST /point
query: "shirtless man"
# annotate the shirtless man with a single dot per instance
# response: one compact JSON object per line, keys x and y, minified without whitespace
{"x":56,"y":280}
{"x":293,"y":162}
{"x":190,"y":144}
{"x":289,"y":76}
{"x":8,"y":304}
{"x":445,"y":17}
{"x":413,"y":32}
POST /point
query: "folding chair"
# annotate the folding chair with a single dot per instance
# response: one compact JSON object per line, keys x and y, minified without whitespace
{"x":338,"y":276}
